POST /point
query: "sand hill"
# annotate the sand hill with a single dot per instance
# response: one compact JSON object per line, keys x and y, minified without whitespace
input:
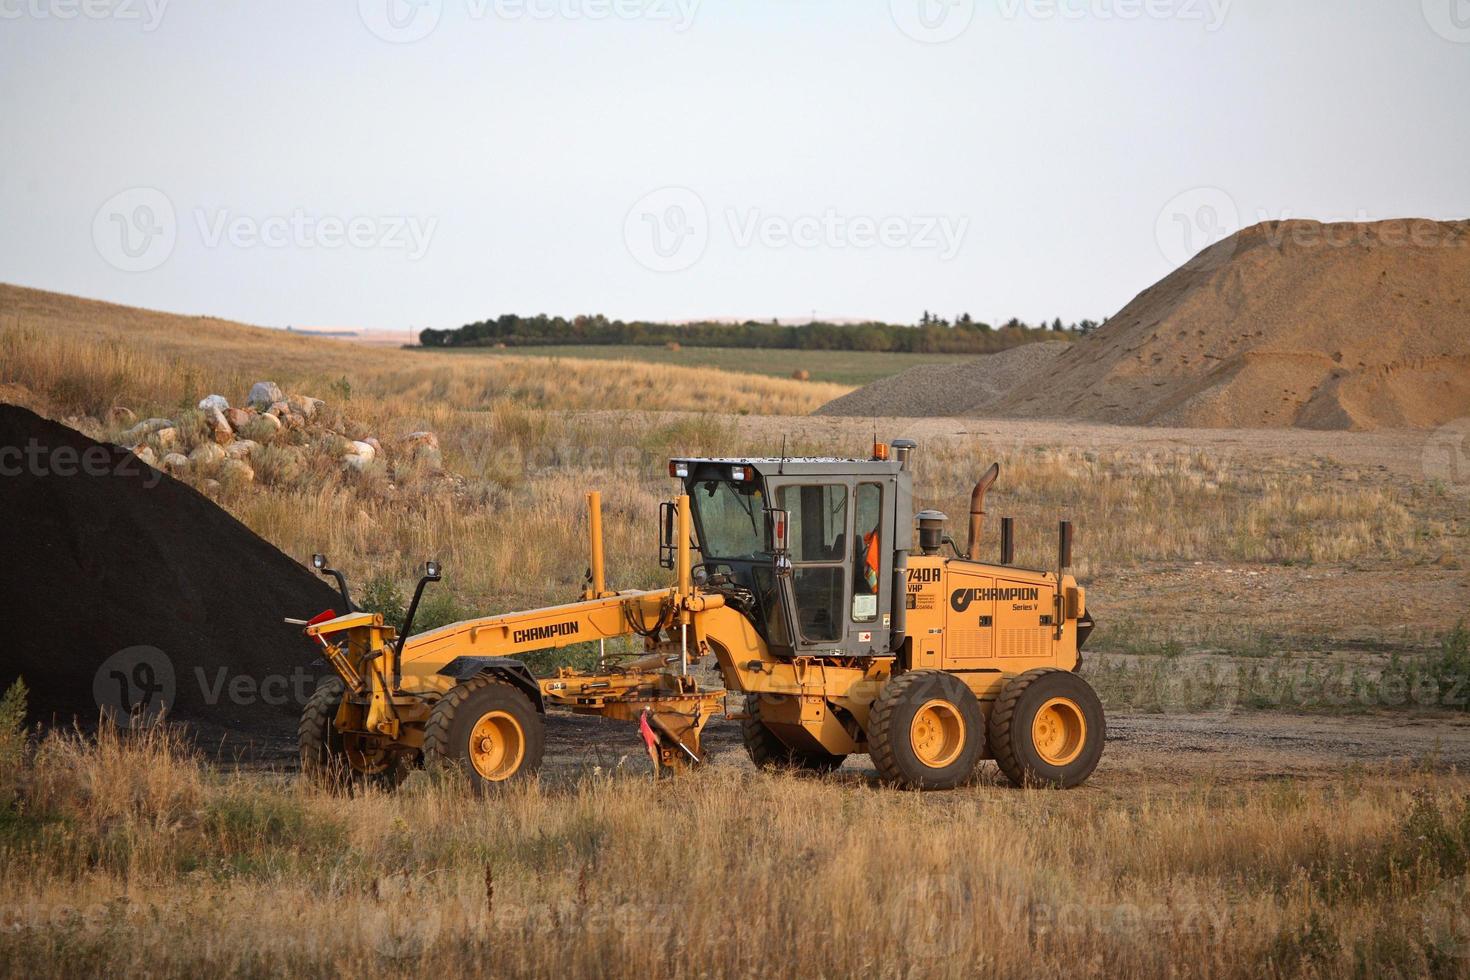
{"x":1346,"y":326}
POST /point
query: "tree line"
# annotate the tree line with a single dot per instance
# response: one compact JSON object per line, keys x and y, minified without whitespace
{"x":933,"y":334}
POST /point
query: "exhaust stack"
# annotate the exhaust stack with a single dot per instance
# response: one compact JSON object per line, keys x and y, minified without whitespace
{"x":977,"y":508}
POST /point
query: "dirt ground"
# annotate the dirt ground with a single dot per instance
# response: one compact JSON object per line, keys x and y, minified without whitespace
{"x":1226,"y":747}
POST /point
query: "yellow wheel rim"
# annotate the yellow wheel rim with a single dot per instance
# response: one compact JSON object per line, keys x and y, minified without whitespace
{"x":937,"y":733}
{"x":497,"y":746}
{"x":1059,"y":731}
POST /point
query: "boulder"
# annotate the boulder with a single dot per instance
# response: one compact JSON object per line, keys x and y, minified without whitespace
{"x":219,"y":426}
{"x":241,"y":449}
{"x":174,"y":462}
{"x":238,"y":418}
{"x":167,"y":436}
{"x":358,"y":463}
{"x":279,"y":407}
{"x":264,"y":393}
{"x":420,"y":440}
{"x":377,"y":446}
{"x":146,"y":428}
{"x":118,"y":415}
{"x":145,"y":453}
{"x":304,"y":406}
{"x":210,"y":487}
{"x":271,"y":422}
{"x":207,"y":453}
{"x":236,"y":471}
{"x":215,"y":403}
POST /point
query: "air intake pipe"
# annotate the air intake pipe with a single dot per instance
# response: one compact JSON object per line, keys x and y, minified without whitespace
{"x":977,"y":508}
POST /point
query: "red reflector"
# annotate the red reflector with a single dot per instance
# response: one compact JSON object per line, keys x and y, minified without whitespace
{"x":322,"y":617}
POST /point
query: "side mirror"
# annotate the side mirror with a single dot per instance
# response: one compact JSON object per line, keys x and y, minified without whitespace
{"x":431,"y":571}
{"x":667,"y":522}
{"x":778,"y":541}
{"x":318,"y":562}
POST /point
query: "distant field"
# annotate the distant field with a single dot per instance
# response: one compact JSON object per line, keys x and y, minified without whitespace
{"x":844,"y":367}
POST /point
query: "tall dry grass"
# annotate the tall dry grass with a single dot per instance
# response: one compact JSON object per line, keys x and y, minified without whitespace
{"x":130,"y":856}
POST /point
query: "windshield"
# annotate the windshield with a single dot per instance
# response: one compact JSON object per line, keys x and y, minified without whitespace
{"x":730,"y":517}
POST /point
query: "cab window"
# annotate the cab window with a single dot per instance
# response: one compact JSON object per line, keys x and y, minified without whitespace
{"x":867,"y":552}
{"x":819,"y":548}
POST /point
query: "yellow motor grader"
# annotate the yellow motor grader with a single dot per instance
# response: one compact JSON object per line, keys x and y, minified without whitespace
{"x":803,"y":581}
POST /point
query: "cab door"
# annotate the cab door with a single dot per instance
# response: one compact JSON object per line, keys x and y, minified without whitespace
{"x":820,"y":536}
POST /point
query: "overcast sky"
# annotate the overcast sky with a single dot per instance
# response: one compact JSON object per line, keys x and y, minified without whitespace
{"x":396,"y":164}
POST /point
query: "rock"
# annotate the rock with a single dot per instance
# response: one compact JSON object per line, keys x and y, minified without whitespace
{"x":167,"y":437}
{"x":377,"y":446}
{"x":211,"y":486}
{"x":362,"y":449}
{"x":219,"y":426}
{"x":241,"y":449}
{"x":304,"y":406}
{"x":236,"y":471}
{"x":420,"y":440}
{"x":271,"y":422}
{"x":145,"y":453}
{"x":279,"y":407}
{"x":216,"y":403}
{"x":358,"y":463}
{"x":174,"y":462}
{"x":238,"y":418}
{"x":207,"y":453}
{"x":118,"y":415}
{"x":146,"y":428}
{"x":264,"y":393}
{"x":801,"y":375}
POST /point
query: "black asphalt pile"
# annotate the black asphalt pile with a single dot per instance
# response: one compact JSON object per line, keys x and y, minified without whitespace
{"x":126,"y":589}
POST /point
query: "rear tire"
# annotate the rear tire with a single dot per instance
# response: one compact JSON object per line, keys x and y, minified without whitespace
{"x":488,"y":728}
{"x":767,"y":751}
{"x":926,"y":730}
{"x":1047,"y":729}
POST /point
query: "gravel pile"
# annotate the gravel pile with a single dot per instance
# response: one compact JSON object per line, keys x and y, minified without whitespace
{"x":970,"y":388}
{"x":124,"y":587}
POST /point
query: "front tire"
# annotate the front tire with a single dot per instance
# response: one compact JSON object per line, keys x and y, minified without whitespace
{"x":323,"y":757}
{"x":1047,"y":729}
{"x":488,"y":728}
{"x":926,"y":730}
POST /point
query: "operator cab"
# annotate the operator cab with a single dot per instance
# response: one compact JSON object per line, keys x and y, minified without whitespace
{"x":806,"y":548}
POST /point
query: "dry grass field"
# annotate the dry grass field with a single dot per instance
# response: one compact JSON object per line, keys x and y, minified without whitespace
{"x":1246,"y":819}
